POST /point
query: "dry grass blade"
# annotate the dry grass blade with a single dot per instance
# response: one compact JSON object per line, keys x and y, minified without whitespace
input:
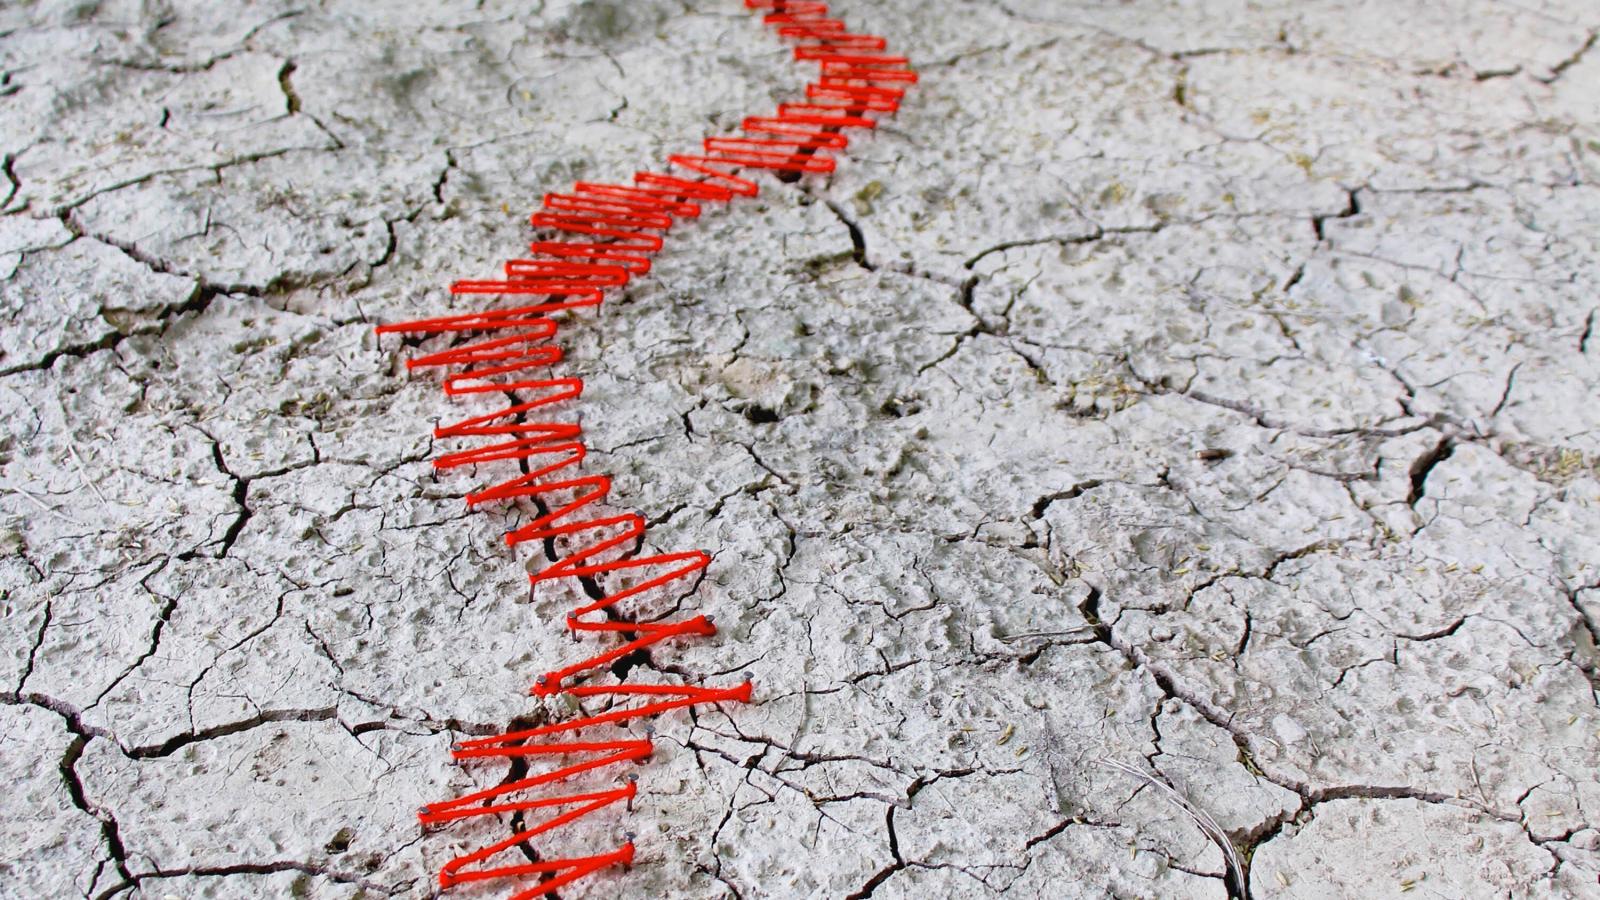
{"x":1208,"y":825}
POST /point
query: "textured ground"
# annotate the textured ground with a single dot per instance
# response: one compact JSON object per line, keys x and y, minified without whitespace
{"x":1204,"y":386}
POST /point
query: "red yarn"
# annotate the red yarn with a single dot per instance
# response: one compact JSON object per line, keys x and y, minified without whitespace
{"x":609,"y":232}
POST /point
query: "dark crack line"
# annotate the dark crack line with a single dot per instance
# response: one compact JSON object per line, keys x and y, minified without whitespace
{"x":168,"y":607}
{"x":38,"y":641}
{"x":291,"y":100}
{"x":177,"y":742}
{"x":858,"y":241}
{"x":8,"y":167}
{"x":888,"y":871}
{"x":156,"y":264}
{"x":213,"y":167}
{"x":1424,"y":465}
{"x":1269,"y":420}
{"x":1505,"y":395}
{"x":137,"y":880}
{"x":1041,"y":505}
{"x":444,"y":175}
{"x":110,"y":830}
{"x":198,"y":302}
{"x":1352,"y":208}
{"x":1310,"y":796}
{"x":1586,"y":658}
{"x":1560,"y":68}
{"x":1003,"y":246}
{"x":240,"y":495}
{"x":68,"y":351}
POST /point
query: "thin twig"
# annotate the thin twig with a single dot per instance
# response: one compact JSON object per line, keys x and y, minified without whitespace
{"x":45,"y":506}
{"x":83,"y":475}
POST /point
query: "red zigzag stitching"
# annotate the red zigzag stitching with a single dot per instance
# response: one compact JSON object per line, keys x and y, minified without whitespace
{"x":614,"y":229}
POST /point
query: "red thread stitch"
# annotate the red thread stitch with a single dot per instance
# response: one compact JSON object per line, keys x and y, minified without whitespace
{"x":607,"y":235}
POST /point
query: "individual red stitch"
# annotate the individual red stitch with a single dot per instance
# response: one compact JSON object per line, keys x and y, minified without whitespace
{"x":606,"y":234}
{"x":866,"y":98}
{"x":542,"y":270}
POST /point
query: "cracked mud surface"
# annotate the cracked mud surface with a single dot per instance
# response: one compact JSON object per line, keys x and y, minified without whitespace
{"x":1209,"y":388}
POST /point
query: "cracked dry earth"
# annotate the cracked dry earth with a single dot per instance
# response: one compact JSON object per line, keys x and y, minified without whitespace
{"x":1206,"y":387}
